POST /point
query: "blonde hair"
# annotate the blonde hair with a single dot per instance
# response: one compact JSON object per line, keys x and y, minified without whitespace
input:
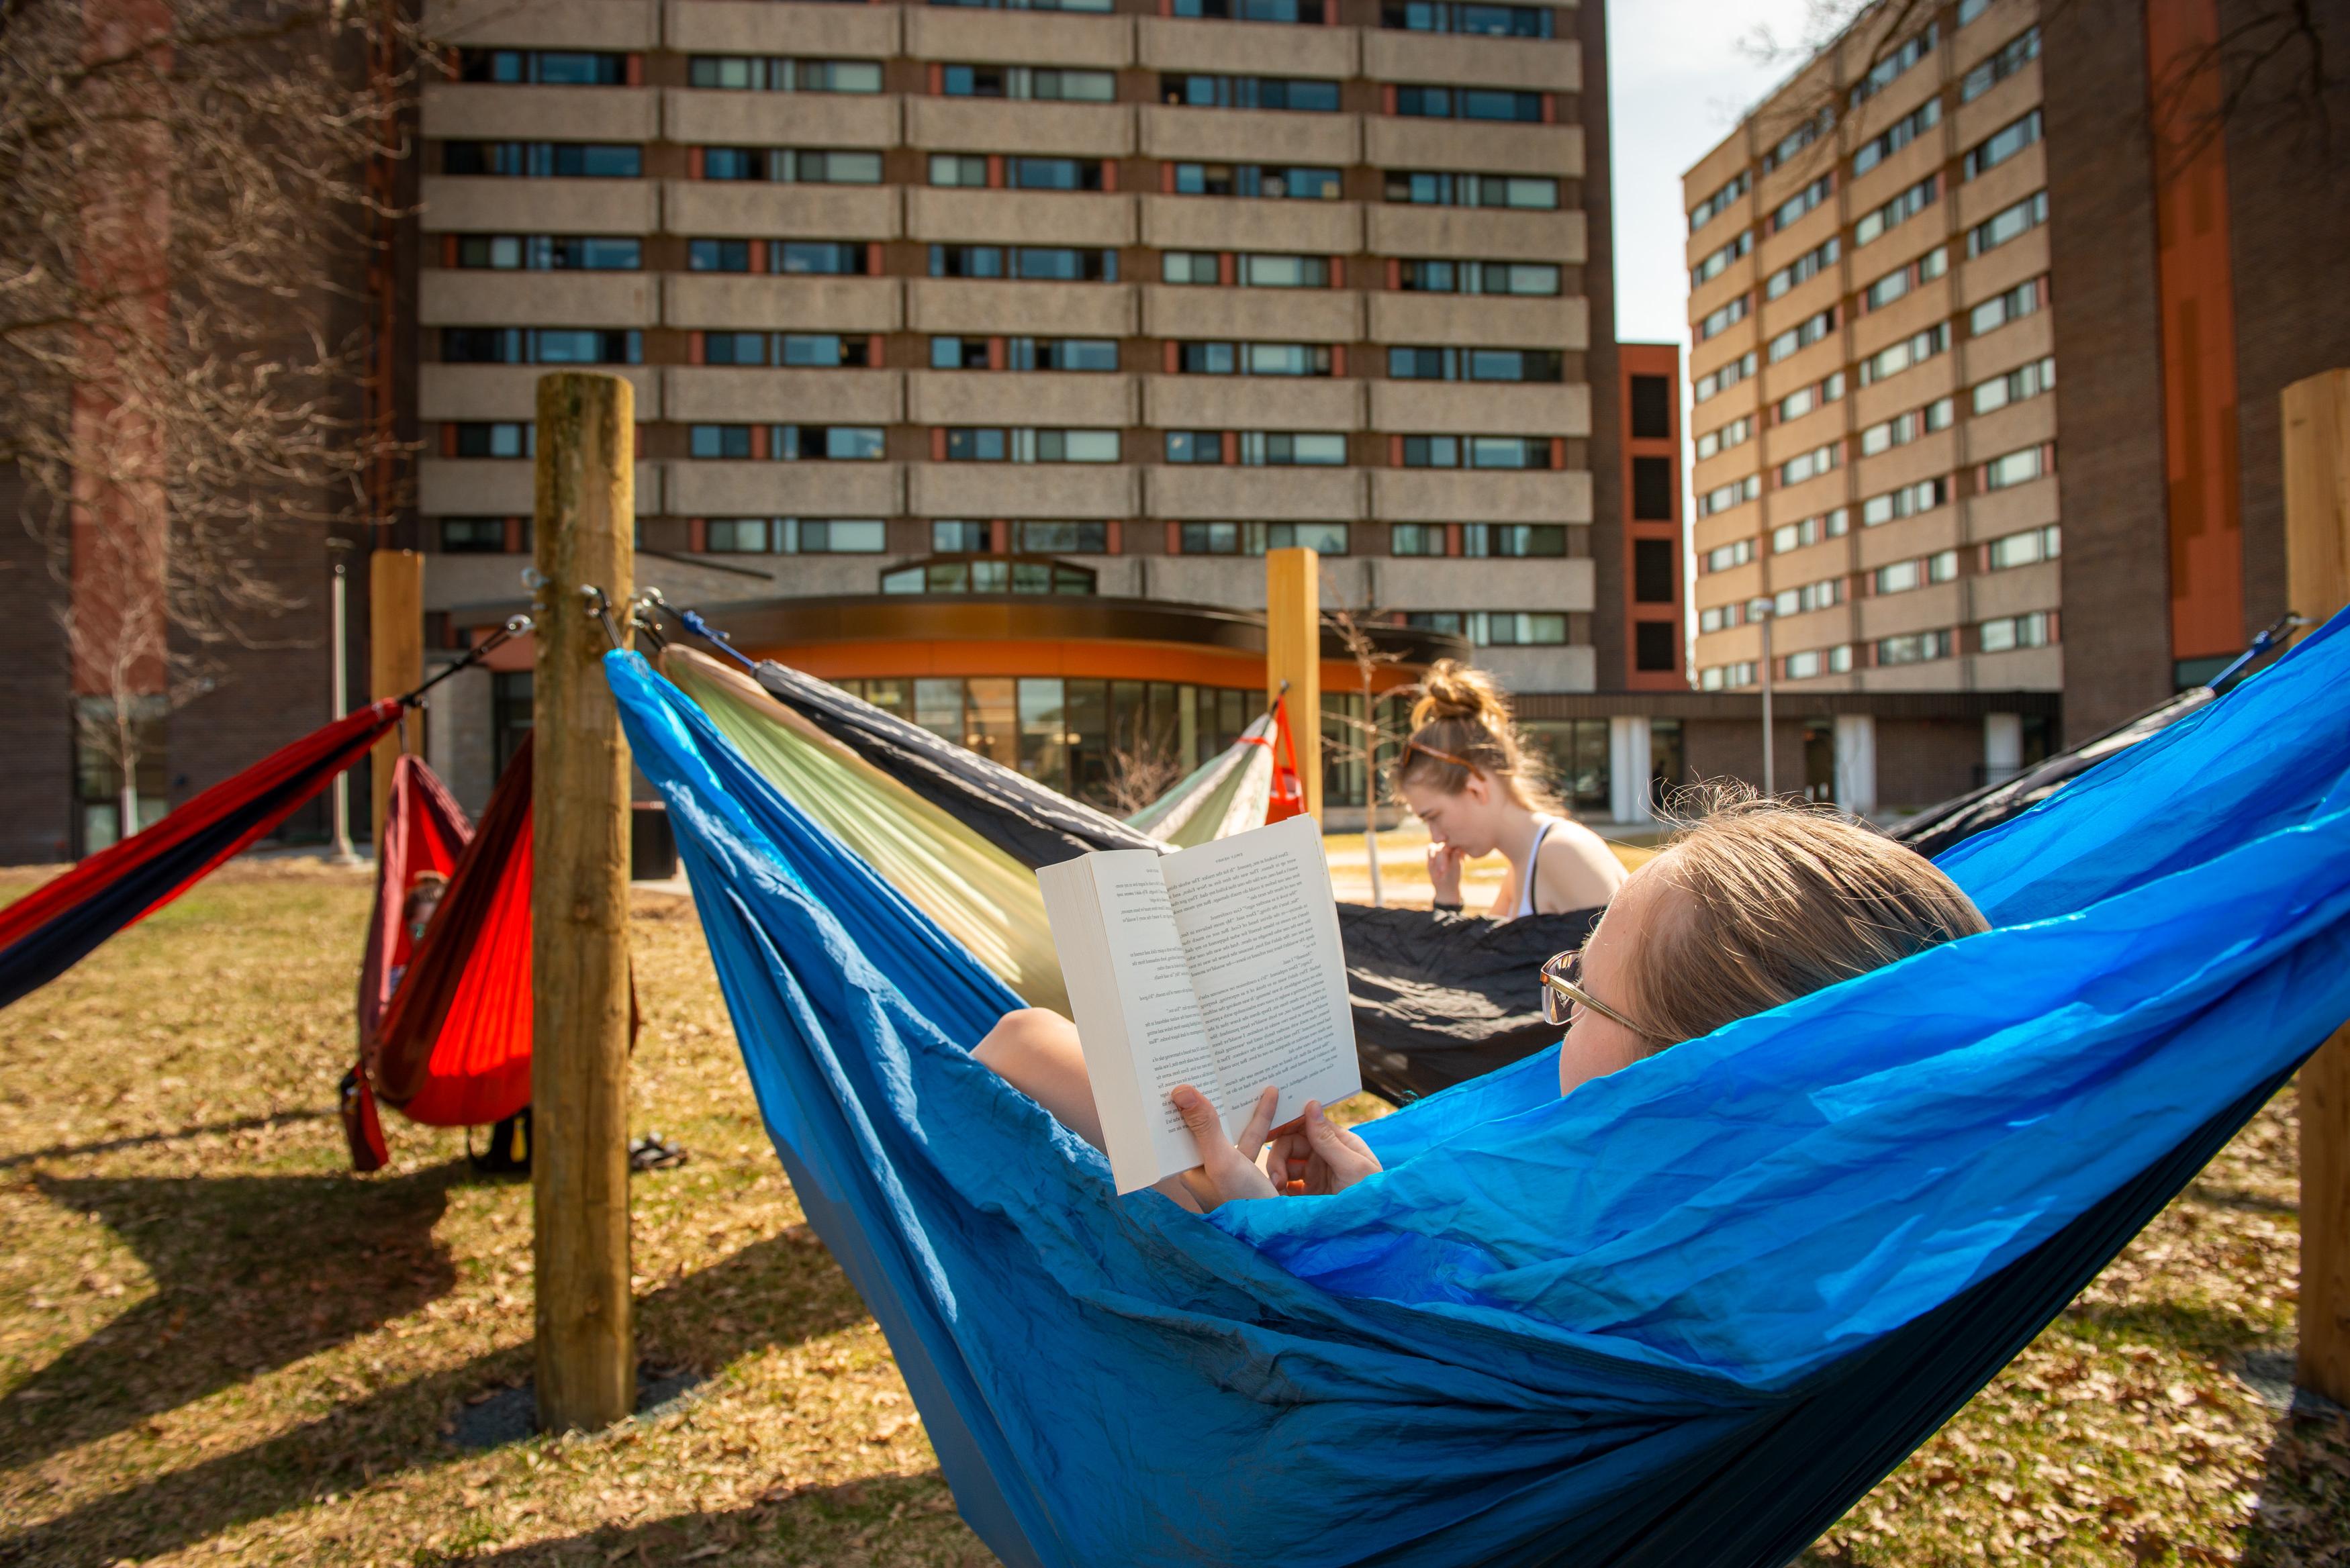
{"x":1461,"y":724}
{"x":1779,"y":900}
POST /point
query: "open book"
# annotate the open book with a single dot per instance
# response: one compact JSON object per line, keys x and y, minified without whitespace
{"x":1219,"y":967}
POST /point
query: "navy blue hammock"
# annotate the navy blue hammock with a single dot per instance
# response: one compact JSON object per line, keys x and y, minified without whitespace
{"x":1688,"y":1313}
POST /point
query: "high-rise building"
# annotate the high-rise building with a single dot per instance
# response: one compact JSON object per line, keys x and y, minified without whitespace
{"x":1872,"y":371}
{"x":933,"y":305}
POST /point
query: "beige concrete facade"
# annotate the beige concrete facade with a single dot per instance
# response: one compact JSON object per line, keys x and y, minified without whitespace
{"x":710,"y":289}
{"x":1908,"y":492}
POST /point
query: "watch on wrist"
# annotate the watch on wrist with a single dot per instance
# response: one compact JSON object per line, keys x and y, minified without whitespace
{"x":1453,"y":908}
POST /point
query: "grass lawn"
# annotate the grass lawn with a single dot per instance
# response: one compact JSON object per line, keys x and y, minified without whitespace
{"x":217,"y":1347}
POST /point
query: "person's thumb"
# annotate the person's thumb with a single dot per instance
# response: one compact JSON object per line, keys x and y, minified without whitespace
{"x":1198,"y":1115}
{"x":1321,"y":1130}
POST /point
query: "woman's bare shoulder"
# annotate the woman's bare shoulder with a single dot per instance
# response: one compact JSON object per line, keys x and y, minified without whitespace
{"x":1576,"y":870}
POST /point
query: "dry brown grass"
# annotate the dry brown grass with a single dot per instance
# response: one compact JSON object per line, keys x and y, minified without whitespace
{"x":218,"y":1347}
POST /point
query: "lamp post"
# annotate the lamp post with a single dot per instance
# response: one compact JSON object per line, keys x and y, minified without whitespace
{"x":1762,"y":609}
{"x":339,"y":635}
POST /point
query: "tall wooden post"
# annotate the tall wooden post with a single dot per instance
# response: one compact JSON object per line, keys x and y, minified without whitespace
{"x":1292,"y":652}
{"x":2317,"y":584}
{"x":395,"y":661}
{"x":584,"y":529}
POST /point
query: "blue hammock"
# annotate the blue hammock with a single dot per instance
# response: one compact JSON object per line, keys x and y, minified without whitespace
{"x":1690,"y":1312}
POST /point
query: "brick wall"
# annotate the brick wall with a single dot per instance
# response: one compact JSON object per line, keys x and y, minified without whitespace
{"x":2109,"y":410}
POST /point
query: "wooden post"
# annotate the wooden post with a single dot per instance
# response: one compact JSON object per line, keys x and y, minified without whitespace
{"x":2317,"y":584}
{"x":395,"y":661}
{"x":585,"y":528}
{"x":1292,"y":652}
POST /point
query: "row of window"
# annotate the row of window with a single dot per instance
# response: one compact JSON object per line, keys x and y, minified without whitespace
{"x":2028,"y":548}
{"x":2010,"y":58}
{"x":1998,"y":473}
{"x":988,"y":444}
{"x":836,"y":166}
{"x":956,"y":536}
{"x":2036,"y":630}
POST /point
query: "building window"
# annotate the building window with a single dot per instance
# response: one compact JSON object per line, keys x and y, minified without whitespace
{"x":2001,"y":227}
{"x":1061,"y":538}
{"x":1291,"y":181}
{"x":1436,"y":276}
{"x":1656,"y":646}
{"x":547,"y":67}
{"x":1898,"y":210}
{"x":473,"y":536}
{"x":1496,"y":628}
{"x":1906,"y":501}
{"x":1807,"y":465}
{"x":718,"y":255}
{"x":1652,"y":408}
{"x":1043,"y":83}
{"x":1713,"y":206}
{"x":1434,"y":189}
{"x":1059,"y":264}
{"x":1804,"y":267}
{"x":540,"y":346}
{"x":1736,"y":433}
{"x":2003,"y":144}
{"x":1903,"y":428}
{"x":1803,"y":335}
{"x":2025,"y":549}
{"x":983,"y":444}
{"x":1466,"y":16}
{"x":1902,"y":576}
{"x":1652,"y":571}
{"x":1257,"y":539}
{"x":1914,"y":648}
{"x":1722,"y":497}
{"x":1718,"y":262}
{"x":1053,"y":173}
{"x":1190,"y":267}
{"x":1725,"y":377}
{"x":2022,"y":300}
{"x":953,"y":537}
{"x":1573,"y":757}
{"x":1722,"y":557}
{"x":1307,"y":12}
{"x":1505,"y":539}
{"x":1895,"y":357}
{"x":549,"y":252}
{"x":1475,"y":365}
{"x":1476,"y":451}
{"x":1468,"y":103}
{"x":2011,"y":58}
{"x":544,"y":160}
{"x":1295,"y":93}
{"x":795,"y":536}
{"x":1253,"y":359}
{"x":1830,"y":524}
{"x":791,"y":166}
{"x":2018,"y":467}
{"x":2025,"y":381}
{"x":818,"y":257}
{"x":1890,"y":69}
{"x":1804,"y":399}
{"x":1795,"y":141}
{"x":1096,"y":6}
{"x":1815,"y":661}
{"x":2037,"y":629}
{"x":754,"y":73}
{"x":1726,"y":677}
{"x":1720,"y":321}
{"x":1795,"y":206}
{"x":1897,"y":135}
{"x":493,"y":438}
{"x":1652,"y":489}
{"x":984,"y":576}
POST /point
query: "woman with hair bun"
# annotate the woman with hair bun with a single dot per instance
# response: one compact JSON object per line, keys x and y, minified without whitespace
{"x":1465,"y":774}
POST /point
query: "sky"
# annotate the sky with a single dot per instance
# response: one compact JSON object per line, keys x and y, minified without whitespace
{"x":1678,"y":83}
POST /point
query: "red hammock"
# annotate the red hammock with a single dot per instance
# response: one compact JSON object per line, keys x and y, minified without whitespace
{"x":1287,"y":799}
{"x":53,"y":928}
{"x":449,"y":1044}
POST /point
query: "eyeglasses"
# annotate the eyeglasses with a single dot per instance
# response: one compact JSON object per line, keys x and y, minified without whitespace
{"x":1562,"y":996}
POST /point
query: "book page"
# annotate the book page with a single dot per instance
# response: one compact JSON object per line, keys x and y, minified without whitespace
{"x":1259,"y":929}
{"x":1137,"y":1018}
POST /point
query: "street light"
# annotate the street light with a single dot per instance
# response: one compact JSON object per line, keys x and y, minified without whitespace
{"x":1762,"y":609}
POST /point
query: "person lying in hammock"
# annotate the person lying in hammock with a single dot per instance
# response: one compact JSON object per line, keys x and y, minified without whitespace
{"x":1760,"y":902}
{"x":1465,"y":774}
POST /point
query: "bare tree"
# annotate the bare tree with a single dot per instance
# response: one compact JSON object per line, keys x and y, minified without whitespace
{"x":185,"y":211}
{"x":1365,"y":737}
{"x":1141,"y":768}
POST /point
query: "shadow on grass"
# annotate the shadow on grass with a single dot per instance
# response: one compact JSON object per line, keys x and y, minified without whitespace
{"x":144,"y":1140}
{"x":2215,"y":1335}
{"x":2303,"y":1519}
{"x":252,"y":1274}
{"x":901,"y":1520}
{"x":780,"y":1291}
